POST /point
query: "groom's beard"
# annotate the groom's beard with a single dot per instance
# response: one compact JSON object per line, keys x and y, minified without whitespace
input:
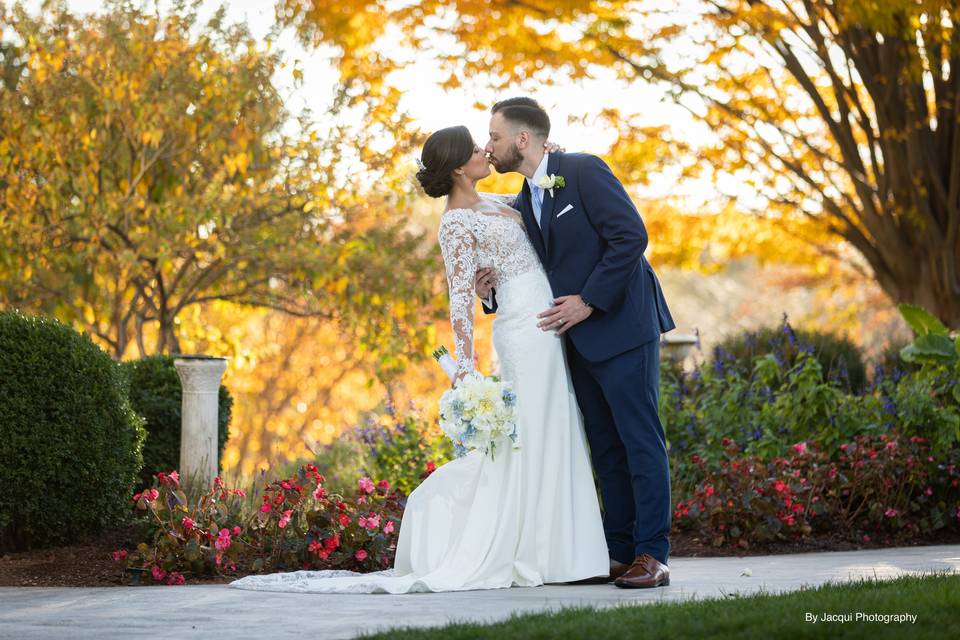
{"x":511,"y":162}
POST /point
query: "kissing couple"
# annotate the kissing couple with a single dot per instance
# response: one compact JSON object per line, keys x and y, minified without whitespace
{"x":578,"y":317}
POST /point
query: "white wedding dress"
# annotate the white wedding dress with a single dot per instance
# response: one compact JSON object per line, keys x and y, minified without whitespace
{"x":530,"y":515}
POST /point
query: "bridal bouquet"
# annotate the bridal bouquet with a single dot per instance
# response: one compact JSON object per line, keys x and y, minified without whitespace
{"x":479,"y":412}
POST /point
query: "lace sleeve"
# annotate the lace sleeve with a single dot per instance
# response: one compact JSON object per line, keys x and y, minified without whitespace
{"x":508,"y":199}
{"x":459,"y":248}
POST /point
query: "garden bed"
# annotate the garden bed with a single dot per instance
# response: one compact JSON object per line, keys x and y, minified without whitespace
{"x":89,"y":564}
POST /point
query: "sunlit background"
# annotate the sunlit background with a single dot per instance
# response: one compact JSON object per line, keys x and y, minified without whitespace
{"x":726,"y":261}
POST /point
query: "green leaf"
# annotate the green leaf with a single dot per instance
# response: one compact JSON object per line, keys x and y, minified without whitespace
{"x":922,"y":321}
{"x":930,"y":348}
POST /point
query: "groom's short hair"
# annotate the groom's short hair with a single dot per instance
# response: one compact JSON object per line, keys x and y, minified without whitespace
{"x":526,"y":112}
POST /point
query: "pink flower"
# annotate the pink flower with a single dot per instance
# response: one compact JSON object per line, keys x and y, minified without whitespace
{"x":800,"y":448}
{"x":388,"y":528}
{"x":158,"y":573}
{"x":333,"y":542}
{"x":315,"y":547}
{"x":362,"y":522}
{"x":119,"y":555}
{"x":285,"y":484}
{"x":223,"y":540}
{"x":318,"y":493}
{"x":175,"y":477}
{"x":890,"y":513}
{"x":236,"y":531}
{"x":361,"y":499}
{"x":866,"y":538}
{"x":373,"y":522}
{"x":928,"y":491}
{"x":265,"y":508}
{"x":366,"y":484}
{"x":240,"y":492}
{"x":151,"y":494}
{"x":708,"y":490}
{"x":175,"y":578}
{"x":360,"y":555}
{"x":188,"y":523}
{"x":217,"y":483}
{"x":285,"y":519}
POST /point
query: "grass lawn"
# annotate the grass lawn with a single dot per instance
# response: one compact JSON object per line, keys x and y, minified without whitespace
{"x":934,"y":600}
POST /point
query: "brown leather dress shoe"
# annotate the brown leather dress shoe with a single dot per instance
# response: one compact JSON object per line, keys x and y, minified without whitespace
{"x":645,"y":572}
{"x":617,"y":569}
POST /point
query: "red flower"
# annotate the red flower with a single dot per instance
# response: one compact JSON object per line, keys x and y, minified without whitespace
{"x":344,"y":519}
{"x":176,"y":578}
{"x":265,"y":508}
{"x":383,"y":484}
{"x":890,"y":512}
{"x":709,"y":490}
{"x":151,"y":494}
{"x":119,"y":555}
{"x":333,"y":542}
{"x":158,"y":573}
{"x":319,"y":492}
{"x":236,"y":531}
{"x":188,"y":523}
{"x":431,"y":467}
{"x":360,"y":555}
{"x":217,"y":483}
{"x":800,"y":448}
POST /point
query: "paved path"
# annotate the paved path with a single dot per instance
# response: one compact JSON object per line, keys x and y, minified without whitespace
{"x":216,"y":611}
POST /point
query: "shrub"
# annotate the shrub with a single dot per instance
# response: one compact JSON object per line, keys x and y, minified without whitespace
{"x":297,"y":525}
{"x":839,"y":358}
{"x":70,"y":443}
{"x":886,"y":486}
{"x":386,"y":444}
{"x":156,"y":394}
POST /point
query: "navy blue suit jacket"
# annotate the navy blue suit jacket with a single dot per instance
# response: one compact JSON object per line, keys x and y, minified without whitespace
{"x":595,"y":249}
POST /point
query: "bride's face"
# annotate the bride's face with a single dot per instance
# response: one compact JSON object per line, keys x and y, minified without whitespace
{"x":477,"y":166}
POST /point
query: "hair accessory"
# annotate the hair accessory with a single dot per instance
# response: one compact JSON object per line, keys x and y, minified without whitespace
{"x":420,"y":164}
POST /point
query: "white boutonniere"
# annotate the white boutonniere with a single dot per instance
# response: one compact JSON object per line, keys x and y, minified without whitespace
{"x":551,"y":182}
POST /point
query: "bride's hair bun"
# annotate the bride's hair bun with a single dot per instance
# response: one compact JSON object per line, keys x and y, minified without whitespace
{"x":444,"y":151}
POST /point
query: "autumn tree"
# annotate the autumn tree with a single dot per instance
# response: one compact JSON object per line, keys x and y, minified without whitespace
{"x":147,"y":165}
{"x":844,"y":112}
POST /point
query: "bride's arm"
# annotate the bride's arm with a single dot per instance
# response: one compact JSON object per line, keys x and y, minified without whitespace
{"x":459,"y":249}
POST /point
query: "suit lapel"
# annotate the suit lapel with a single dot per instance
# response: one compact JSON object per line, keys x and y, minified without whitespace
{"x":546,"y":211}
{"x":533,"y":230}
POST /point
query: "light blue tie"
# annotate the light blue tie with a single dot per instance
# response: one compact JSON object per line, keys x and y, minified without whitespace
{"x":536,"y":194}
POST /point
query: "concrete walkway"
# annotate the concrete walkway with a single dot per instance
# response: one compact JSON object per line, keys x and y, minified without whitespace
{"x":217,"y":611}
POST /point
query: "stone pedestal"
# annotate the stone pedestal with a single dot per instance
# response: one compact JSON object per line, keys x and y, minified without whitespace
{"x":200,"y":377}
{"x":677,"y":347}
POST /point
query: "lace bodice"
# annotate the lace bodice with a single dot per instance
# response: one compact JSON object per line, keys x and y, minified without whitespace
{"x":470,"y":240}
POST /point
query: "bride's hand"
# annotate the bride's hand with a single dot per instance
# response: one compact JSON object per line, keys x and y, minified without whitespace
{"x":552,"y":147}
{"x":483,"y":282}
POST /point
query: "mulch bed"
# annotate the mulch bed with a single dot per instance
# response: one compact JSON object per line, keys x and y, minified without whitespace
{"x":88,"y":564}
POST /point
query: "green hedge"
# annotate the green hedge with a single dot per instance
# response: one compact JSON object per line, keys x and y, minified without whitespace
{"x":70,"y":443}
{"x":155,"y":392}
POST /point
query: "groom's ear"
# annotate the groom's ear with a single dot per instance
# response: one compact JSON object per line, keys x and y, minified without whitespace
{"x":523,"y":140}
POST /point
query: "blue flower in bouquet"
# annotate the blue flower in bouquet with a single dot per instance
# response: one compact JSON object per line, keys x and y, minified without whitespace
{"x":479,"y":412}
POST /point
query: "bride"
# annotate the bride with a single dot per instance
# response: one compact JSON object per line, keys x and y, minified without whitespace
{"x":530,"y":515}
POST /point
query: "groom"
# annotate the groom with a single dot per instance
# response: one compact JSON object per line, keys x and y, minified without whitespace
{"x":610,"y":310}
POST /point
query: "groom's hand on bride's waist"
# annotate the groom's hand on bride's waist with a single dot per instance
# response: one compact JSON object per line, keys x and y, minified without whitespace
{"x":565,"y":313}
